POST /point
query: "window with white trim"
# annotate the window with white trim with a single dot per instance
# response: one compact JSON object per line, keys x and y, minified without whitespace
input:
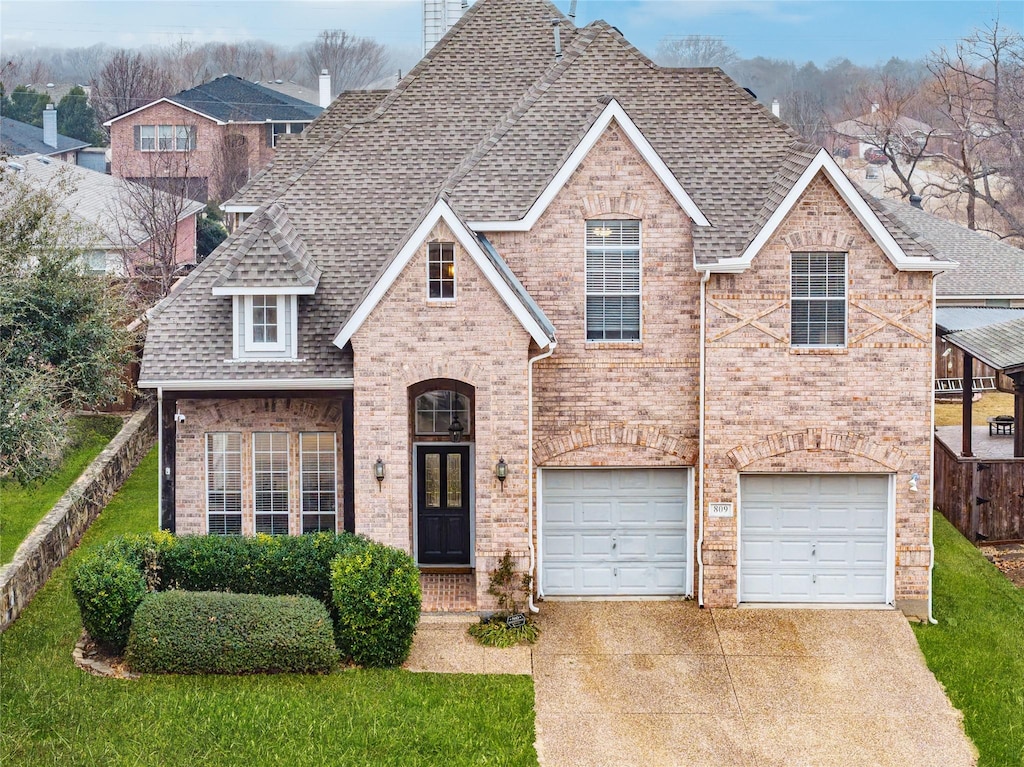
{"x":441,"y":270}
{"x":318,"y":465}
{"x":270,"y":482}
{"x":264,"y":323}
{"x":165,"y":138}
{"x":223,"y":483}
{"x":613,"y":281}
{"x":818,"y":299}
{"x":147,"y":138}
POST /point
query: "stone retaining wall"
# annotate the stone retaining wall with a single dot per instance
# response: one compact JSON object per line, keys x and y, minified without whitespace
{"x":62,"y":528}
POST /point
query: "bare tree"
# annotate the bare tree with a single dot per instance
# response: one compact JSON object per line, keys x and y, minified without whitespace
{"x":883,"y":121}
{"x":805,"y":111}
{"x":695,"y":51}
{"x":979,"y":89}
{"x":127,"y":81}
{"x":230,"y":166}
{"x":351,"y":61}
{"x":185,"y":63}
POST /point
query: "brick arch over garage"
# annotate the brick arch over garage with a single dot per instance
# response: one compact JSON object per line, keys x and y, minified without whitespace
{"x":850,"y":443}
{"x":646,"y":437}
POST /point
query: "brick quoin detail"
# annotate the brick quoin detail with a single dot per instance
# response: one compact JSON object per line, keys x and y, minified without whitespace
{"x":817,"y":439}
{"x":583,"y":437}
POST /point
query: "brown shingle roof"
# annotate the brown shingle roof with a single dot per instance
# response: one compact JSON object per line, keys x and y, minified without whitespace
{"x":270,"y":254}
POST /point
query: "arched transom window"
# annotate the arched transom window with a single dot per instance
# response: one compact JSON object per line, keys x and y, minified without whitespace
{"x":436,"y":410}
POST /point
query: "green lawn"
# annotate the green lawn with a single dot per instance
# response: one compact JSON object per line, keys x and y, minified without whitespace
{"x":53,"y":714}
{"x":22,"y":506}
{"x":977,"y":648}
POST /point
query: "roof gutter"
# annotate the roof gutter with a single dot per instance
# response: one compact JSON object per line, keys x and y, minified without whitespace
{"x":300,"y":384}
{"x":705,"y":276}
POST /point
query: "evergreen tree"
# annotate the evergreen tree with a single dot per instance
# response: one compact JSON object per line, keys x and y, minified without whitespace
{"x":27,"y":105}
{"x":75,"y":118}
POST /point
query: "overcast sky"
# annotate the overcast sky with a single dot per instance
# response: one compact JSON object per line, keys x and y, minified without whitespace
{"x":865,"y":31}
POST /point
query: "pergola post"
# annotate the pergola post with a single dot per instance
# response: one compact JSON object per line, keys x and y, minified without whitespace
{"x":968,"y":399}
{"x":1018,"y":415}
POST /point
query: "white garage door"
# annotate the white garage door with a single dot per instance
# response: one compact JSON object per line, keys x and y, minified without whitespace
{"x":614,"y":532}
{"x":814,"y":538}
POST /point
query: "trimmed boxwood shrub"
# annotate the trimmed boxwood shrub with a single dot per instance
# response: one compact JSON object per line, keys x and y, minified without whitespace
{"x":212,"y":632}
{"x":377,"y":603}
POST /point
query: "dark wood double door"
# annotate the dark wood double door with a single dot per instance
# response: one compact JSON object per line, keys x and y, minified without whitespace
{"x":443,"y":504}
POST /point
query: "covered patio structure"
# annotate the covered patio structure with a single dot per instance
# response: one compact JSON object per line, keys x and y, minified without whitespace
{"x":979,"y":470}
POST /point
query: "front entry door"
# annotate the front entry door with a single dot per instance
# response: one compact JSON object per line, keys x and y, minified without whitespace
{"x":443,"y":504}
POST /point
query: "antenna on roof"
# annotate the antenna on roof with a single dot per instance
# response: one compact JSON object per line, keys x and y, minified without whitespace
{"x":557,"y":24}
{"x":572,"y":10}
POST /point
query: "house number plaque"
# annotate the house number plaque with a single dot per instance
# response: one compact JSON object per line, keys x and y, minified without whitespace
{"x":720,"y":510}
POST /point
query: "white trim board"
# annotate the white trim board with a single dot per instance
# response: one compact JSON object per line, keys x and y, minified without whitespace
{"x":298,"y":384}
{"x":304,"y":290}
{"x":613,"y":111}
{"x":441,"y":212}
{"x":824,"y":162}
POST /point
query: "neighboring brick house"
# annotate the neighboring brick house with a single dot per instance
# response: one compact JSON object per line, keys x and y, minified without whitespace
{"x":554,"y":299}
{"x":18,"y":139}
{"x":210,"y":139}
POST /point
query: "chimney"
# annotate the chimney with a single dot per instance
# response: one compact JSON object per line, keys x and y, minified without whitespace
{"x":438,"y":17}
{"x":325,"y":88}
{"x":776,"y":110}
{"x":557,"y":24}
{"x":572,"y":10}
{"x":915,"y":200}
{"x":50,"y":126}
{"x":874,"y":108}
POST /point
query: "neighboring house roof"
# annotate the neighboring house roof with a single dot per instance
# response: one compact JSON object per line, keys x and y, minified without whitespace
{"x":487,"y":121}
{"x":18,"y":138}
{"x":949,"y":319}
{"x":233,"y":99}
{"x":292,"y":89}
{"x":999,"y":346}
{"x":867,"y":126}
{"x":988,"y":268}
{"x":99,"y":203}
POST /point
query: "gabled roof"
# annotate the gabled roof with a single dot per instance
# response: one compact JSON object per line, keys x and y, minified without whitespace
{"x":487,"y":260}
{"x":1000,"y":346}
{"x":233,"y":99}
{"x":988,"y":268}
{"x":867,"y":125}
{"x":270,"y":257}
{"x":949,"y":319}
{"x":18,"y":138}
{"x":102,"y":205}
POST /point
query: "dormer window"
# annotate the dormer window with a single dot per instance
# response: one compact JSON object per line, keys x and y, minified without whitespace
{"x":264,"y":317}
{"x":441,"y":271}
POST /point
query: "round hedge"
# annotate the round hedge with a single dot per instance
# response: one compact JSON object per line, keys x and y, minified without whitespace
{"x":213,"y":632}
{"x":377,"y":604}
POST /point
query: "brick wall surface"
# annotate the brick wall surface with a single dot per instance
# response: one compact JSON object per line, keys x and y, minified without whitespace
{"x":475,"y":339}
{"x":862,"y":408}
{"x":290,"y":415}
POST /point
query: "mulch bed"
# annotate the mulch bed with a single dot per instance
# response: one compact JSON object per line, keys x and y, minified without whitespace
{"x":1009,"y":558}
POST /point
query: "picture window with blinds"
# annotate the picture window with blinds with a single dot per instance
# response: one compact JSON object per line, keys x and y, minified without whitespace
{"x":441,"y":270}
{"x":224,"y":483}
{"x":319,"y":470}
{"x":818,"y":299}
{"x":270,"y":482}
{"x":613,"y":281}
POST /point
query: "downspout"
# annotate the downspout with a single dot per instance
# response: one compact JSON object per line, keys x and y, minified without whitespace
{"x":529,"y":457}
{"x":160,"y":457}
{"x":931,"y":476}
{"x":700,"y":444}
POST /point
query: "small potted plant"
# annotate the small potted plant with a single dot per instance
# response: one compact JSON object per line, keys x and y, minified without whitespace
{"x":510,"y":625}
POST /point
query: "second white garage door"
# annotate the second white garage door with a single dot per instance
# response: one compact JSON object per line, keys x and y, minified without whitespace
{"x":614,"y":532}
{"x":814,"y":538}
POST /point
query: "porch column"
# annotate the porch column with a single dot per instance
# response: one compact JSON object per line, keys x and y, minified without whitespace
{"x":968,"y":397}
{"x":1018,"y":415}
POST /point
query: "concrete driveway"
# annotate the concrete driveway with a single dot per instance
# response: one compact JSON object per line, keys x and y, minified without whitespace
{"x":665,"y":683}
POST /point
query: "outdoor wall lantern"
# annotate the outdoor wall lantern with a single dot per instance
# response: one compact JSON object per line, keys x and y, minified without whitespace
{"x":378,"y":472}
{"x":913,"y":481}
{"x":501,"y":472}
{"x":455,"y":429}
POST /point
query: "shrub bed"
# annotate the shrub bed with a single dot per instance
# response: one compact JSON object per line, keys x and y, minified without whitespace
{"x":377,"y":602}
{"x":212,"y":632}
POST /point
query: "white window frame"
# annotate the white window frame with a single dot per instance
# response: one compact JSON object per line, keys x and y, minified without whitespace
{"x":442,"y":280}
{"x":302,"y":473}
{"x":640,"y":284}
{"x":286,"y":132}
{"x":144,"y":138}
{"x":287,"y":478}
{"x":793,"y":298}
{"x":282,"y":328}
{"x":161,"y":138}
{"x":206,"y":472}
{"x":186,"y":133}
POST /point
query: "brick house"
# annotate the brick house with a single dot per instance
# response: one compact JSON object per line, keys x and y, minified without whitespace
{"x":548,"y":297}
{"x":210,"y":139}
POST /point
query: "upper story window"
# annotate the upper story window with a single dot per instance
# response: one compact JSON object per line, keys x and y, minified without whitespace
{"x":264,"y":327}
{"x":818,"y":299}
{"x":282,"y":129}
{"x":441,"y":270}
{"x":165,"y":138}
{"x":613,"y":281}
{"x":436,"y":410}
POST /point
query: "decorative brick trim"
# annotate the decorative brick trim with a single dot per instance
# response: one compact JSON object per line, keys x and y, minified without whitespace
{"x":802,"y":239}
{"x":315,"y":410}
{"x":624,"y":204}
{"x":812,"y":439}
{"x":650,"y":437}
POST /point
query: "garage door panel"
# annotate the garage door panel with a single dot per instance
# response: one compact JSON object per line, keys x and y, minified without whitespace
{"x":814,"y":538}
{"x":629,"y":531}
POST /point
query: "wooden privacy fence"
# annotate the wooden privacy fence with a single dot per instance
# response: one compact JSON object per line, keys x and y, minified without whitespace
{"x":982,"y":497}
